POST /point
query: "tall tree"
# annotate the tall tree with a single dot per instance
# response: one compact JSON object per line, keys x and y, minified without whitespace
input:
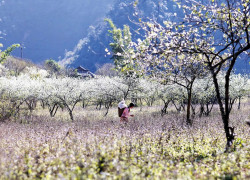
{"x":216,"y":31}
{"x":219,"y":30}
{"x":120,"y":47}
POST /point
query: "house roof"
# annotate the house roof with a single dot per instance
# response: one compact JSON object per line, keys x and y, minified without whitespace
{"x":84,"y":72}
{"x":81,"y":69}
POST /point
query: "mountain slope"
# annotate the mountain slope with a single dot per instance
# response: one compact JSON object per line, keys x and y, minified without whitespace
{"x":90,"y":50}
{"x":47,"y":28}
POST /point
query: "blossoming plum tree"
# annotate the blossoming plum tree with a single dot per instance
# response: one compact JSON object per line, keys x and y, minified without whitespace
{"x":219,"y":31}
{"x":215,"y":31}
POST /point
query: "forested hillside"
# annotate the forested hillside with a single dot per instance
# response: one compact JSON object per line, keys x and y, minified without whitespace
{"x":47,"y":28}
{"x":128,"y":12}
{"x":75,"y":33}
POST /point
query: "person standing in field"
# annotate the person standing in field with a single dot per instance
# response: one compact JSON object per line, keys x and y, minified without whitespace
{"x":126,"y":113}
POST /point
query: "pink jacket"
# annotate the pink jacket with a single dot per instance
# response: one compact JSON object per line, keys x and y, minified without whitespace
{"x":126,"y":113}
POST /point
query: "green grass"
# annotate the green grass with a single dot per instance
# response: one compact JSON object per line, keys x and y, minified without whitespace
{"x":149,"y":147}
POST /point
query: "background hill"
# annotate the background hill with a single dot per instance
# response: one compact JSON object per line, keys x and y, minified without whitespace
{"x":74,"y":32}
{"x":47,"y":28}
{"x":92,"y":52}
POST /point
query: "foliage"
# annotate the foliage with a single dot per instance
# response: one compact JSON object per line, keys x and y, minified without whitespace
{"x":121,"y":47}
{"x":67,"y":93}
{"x":52,"y":66}
{"x":4,"y":54}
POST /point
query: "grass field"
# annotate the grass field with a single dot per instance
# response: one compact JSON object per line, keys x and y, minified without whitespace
{"x":148,"y":147}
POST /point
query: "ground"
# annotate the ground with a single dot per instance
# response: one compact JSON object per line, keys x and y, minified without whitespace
{"x":149,"y":146}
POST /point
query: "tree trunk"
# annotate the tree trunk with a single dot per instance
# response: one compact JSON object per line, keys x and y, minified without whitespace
{"x":53,"y":110}
{"x":201,"y":110}
{"x":70,"y":110}
{"x":178,"y":109}
{"x":229,"y":131}
{"x":239,"y":103}
{"x":140,"y":104}
{"x":188,"y":120}
{"x":107,"y":106}
{"x":208,"y":111}
{"x":164,"y":109}
{"x":71,"y":115}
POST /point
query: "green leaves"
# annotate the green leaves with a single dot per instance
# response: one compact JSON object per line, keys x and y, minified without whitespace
{"x":52,"y":66}
{"x":122,"y":50}
{"x":4,"y":54}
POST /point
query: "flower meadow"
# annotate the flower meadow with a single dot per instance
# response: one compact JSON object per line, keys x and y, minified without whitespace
{"x":150,"y":146}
